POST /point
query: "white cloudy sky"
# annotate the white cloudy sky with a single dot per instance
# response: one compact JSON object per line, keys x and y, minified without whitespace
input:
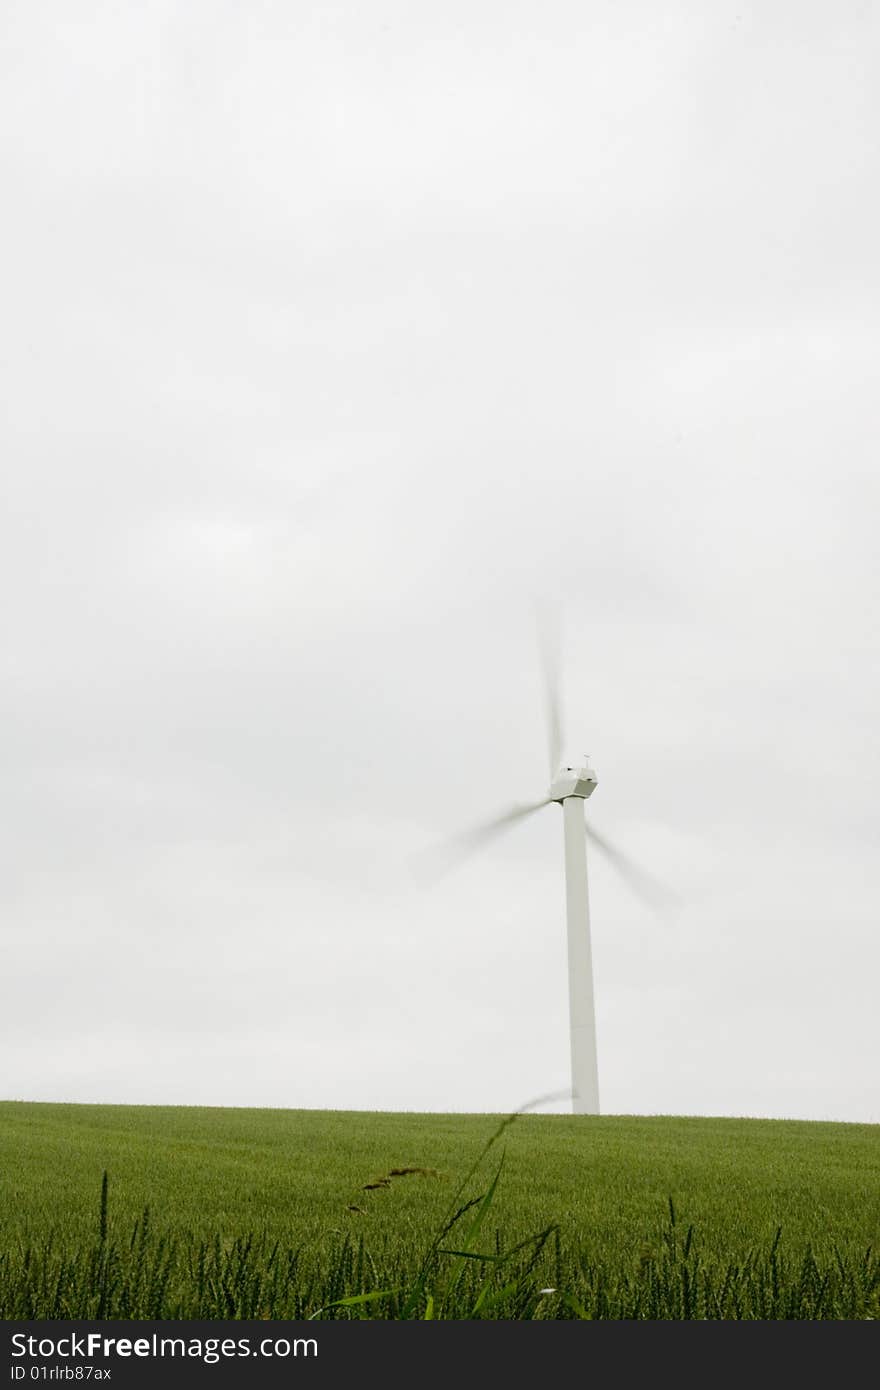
{"x":335,"y":335}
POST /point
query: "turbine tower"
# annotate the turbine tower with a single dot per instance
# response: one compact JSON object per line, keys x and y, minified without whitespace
{"x":570,"y":786}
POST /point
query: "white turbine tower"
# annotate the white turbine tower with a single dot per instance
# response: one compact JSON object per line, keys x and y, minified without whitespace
{"x":570,"y":785}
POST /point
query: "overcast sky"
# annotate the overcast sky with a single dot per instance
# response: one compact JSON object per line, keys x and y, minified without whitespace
{"x":335,"y":336}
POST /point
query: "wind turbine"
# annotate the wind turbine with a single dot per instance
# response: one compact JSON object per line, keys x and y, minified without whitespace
{"x":570,"y":786}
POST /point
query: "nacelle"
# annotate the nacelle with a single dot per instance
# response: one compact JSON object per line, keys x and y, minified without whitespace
{"x":574,"y":781}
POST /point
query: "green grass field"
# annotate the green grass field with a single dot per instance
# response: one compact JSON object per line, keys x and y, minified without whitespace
{"x":279,"y":1213}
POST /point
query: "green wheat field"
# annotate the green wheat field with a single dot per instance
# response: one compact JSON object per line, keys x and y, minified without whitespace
{"x":176,"y":1212}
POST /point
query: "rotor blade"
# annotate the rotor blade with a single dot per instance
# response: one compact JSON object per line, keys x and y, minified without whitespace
{"x":652,"y":892}
{"x":434,"y":863}
{"x":548,"y":647}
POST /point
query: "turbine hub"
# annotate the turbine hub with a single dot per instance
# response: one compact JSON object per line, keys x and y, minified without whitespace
{"x":573,"y":781}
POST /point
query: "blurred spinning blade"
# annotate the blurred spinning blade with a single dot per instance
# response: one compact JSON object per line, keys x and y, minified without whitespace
{"x":549,"y":644}
{"x":434,"y":863}
{"x":654,"y":894}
